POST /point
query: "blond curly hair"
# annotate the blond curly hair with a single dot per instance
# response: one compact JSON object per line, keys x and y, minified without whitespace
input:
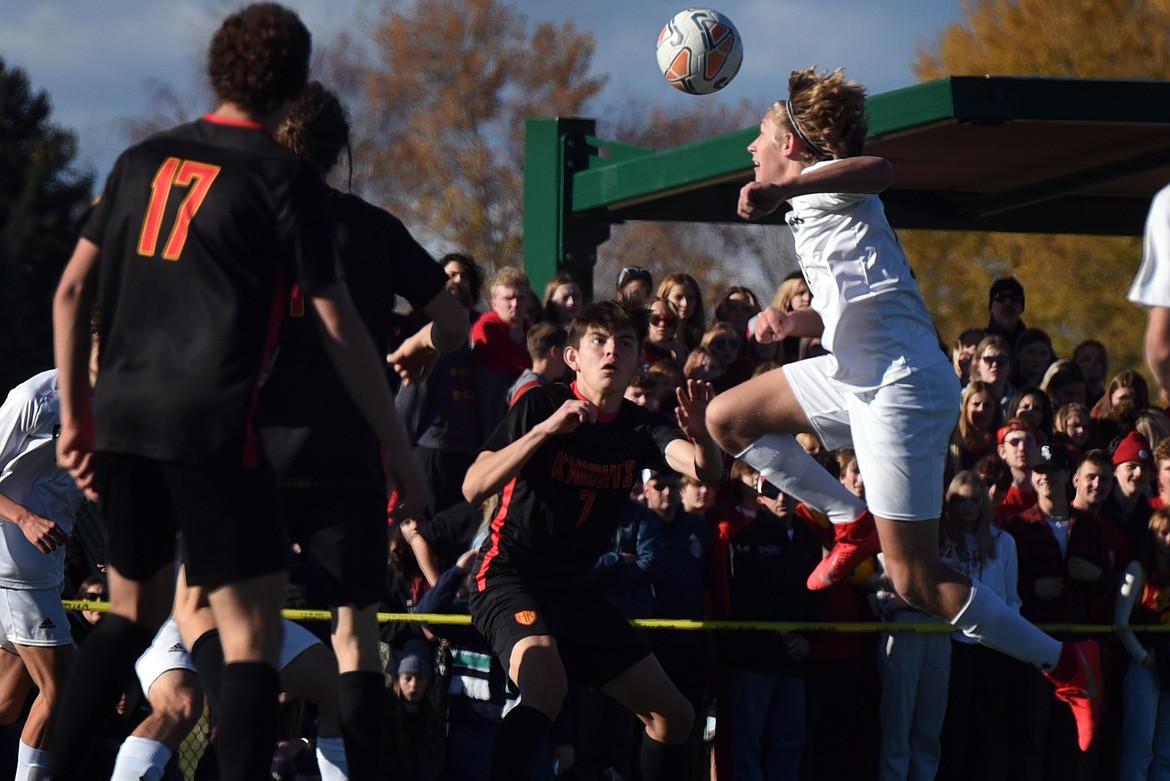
{"x":829,"y":110}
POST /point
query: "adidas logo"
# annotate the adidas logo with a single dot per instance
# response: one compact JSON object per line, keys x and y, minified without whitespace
{"x":47,"y":624}
{"x":177,"y":648}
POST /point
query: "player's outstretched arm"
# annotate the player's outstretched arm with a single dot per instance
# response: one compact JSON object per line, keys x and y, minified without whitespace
{"x":357,"y":362}
{"x":494,"y":468}
{"x":446,"y":332}
{"x":861,"y":174}
{"x":72,"y":308}
{"x":699,"y":458}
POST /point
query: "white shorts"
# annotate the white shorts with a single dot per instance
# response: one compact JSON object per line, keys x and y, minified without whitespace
{"x":33,"y":617}
{"x":167,"y":652}
{"x":900,"y":432}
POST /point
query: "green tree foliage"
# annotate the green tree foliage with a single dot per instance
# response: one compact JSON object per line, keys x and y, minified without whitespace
{"x":41,"y":197}
{"x":1075,"y":285}
{"x":441,"y":132}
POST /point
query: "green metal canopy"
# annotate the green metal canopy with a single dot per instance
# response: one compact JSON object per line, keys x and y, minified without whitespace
{"x":1033,"y":155}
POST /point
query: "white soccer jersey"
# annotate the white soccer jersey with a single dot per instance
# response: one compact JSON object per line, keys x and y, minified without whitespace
{"x":876,"y":323}
{"x":1151,"y":286}
{"x":29,"y":475}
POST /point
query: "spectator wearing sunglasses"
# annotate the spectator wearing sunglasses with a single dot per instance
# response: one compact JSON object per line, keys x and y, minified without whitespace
{"x":1006,"y":304}
{"x":1014,"y":441}
{"x":634,"y":285}
{"x":662,"y":340}
{"x":726,"y":344}
{"x":992,"y":364}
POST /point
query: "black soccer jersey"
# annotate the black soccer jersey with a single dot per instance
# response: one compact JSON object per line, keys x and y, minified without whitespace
{"x":561,"y":512}
{"x":312,"y":431}
{"x":202,"y":230}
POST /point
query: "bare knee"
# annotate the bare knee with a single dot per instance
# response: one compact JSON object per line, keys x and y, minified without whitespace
{"x":183,"y":704}
{"x":539,"y":674}
{"x":721,"y":422}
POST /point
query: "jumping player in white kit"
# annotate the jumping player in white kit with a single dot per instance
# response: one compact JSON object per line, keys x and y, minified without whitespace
{"x":885,"y":386}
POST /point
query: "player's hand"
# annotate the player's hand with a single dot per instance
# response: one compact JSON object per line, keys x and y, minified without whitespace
{"x":410,"y":488}
{"x":771,"y":325}
{"x":570,"y":415}
{"x":1049,"y":588}
{"x":46,"y":535}
{"x":691,"y":412}
{"x":1083,"y":569}
{"x":464,"y":561}
{"x":413,"y":359}
{"x":75,"y":456}
{"x":758,"y":199}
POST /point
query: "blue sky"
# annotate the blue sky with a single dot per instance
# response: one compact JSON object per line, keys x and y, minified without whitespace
{"x":95,"y":60}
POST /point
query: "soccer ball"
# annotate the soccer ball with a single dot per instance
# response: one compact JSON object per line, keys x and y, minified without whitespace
{"x":699,"y":51}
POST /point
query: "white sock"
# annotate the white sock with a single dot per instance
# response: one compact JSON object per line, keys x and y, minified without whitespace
{"x":786,"y":465}
{"x":331,"y":760}
{"x":988,"y":619}
{"x":141,"y":759}
{"x":32,"y":764}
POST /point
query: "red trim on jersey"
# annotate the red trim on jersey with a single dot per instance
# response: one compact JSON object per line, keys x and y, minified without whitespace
{"x":522,"y":390}
{"x":248,"y":124}
{"x":497,"y":525}
{"x":602,"y":417}
{"x":280,"y":296}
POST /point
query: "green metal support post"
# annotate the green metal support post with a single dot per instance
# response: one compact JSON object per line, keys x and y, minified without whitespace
{"x":554,"y":238}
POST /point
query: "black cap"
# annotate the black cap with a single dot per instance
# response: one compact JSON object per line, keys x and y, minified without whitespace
{"x":1009,"y":286}
{"x":1049,"y":457}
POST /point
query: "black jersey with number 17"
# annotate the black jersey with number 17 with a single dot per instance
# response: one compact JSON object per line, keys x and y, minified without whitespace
{"x":561,"y":512}
{"x":202,"y":230}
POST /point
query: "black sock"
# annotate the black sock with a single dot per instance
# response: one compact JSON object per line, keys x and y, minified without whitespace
{"x":361,"y":696}
{"x":664,"y":761}
{"x":517,"y":743}
{"x":104,"y":664}
{"x":248,"y":723}
{"x":207,"y":653}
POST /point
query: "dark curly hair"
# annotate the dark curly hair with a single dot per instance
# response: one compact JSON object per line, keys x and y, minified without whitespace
{"x":316,"y":128}
{"x":829,"y":109}
{"x":259,"y":57}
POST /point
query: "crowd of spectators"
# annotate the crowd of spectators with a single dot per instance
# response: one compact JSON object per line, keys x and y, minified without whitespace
{"x":1058,"y":474}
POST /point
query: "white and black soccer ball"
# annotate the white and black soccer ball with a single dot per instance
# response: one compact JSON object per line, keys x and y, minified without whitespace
{"x":699,"y":51}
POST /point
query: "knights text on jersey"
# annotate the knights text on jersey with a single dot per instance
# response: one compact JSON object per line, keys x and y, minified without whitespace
{"x":202,"y":230}
{"x":312,"y":431}
{"x":559,"y":514}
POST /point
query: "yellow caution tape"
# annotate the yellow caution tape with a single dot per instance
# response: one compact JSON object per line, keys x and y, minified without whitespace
{"x":847,"y":627}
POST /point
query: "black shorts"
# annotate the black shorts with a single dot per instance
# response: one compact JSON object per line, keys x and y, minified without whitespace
{"x":342,"y":532}
{"x":227,"y":516}
{"x":595,"y":642}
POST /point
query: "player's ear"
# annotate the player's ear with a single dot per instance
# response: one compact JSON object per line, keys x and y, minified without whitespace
{"x":571,"y":358}
{"x":788,"y":145}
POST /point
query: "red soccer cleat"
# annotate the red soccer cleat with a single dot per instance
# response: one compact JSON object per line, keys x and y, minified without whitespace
{"x":855,"y":542}
{"x":1078,"y":681}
